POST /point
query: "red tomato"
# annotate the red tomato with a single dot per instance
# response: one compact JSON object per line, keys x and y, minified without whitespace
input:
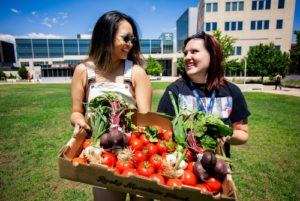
{"x":145,"y":169}
{"x":188,"y":178}
{"x":136,"y":133}
{"x":108,"y":159}
{"x":190,"y":165}
{"x":203,"y":187}
{"x":164,"y":155}
{"x":136,"y":144}
{"x":78,"y":160}
{"x":150,"y":149}
{"x":144,"y":139}
{"x":201,"y":149}
{"x":161,"y":148}
{"x":190,"y":156}
{"x":160,"y":130}
{"x":214,"y":184}
{"x":86,"y":143}
{"x":158,"y":178}
{"x":167,"y":135}
{"x":128,"y":172}
{"x":173,"y":182}
{"x":116,"y":170}
{"x":155,"y":160}
{"x":139,"y":156}
{"x":123,"y":165}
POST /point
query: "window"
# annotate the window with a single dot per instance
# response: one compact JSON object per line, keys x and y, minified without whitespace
{"x":277,"y":47}
{"x":280,"y":4}
{"x":259,"y":25}
{"x":279,"y":24}
{"x":237,"y":51}
{"x":38,"y":63}
{"x":209,"y":26}
{"x":233,"y":26}
{"x":261,"y":5}
{"x":210,"y":7}
{"x":235,"y":6}
{"x":25,"y":63}
{"x":250,"y":47}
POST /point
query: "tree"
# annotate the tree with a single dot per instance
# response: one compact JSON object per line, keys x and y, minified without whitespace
{"x":23,"y":72}
{"x":227,"y":44}
{"x":2,"y":75}
{"x":296,"y":54}
{"x":181,"y":66}
{"x":153,"y":67}
{"x":265,"y":60}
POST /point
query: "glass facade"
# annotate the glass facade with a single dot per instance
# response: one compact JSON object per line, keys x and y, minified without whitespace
{"x":55,"y":48}
{"x":71,"y":47}
{"x":40,"y":49}
{"x":47,"y":71}
{"x":145,"y":46}
{"x":24,"y":48}
{"x":156,"y":46}
{"x":166,"y":67}
{"x":167,"y":39}
{"x":84,"y":46}
{"x":182,"y":29}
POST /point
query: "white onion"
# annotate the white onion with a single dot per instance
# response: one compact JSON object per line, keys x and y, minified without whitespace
{"x":171,"y":159}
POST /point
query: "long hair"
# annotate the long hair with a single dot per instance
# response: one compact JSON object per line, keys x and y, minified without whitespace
{"x":215,"y":72}
{"x":102,"y":42}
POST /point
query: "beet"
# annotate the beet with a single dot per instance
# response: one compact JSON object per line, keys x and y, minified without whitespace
{"x":200,"y":171}
{"x":209,"y":159}
{"x":104,"y":141}
{"x":221,"y":168}
{"x":125,"y":140}
{"x":115,"y":136}
{"x":115,"y":149}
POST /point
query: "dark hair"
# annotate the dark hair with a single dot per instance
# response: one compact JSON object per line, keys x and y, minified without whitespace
{"x":215,"y":72}
{"x":101,"y":48}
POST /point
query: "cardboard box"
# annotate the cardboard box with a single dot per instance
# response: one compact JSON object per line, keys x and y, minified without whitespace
{"x":99,"y":175}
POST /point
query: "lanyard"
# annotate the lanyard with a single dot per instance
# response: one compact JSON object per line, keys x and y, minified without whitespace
{"x":212,"y":100}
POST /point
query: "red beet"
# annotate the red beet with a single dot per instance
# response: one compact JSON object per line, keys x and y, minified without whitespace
{"x":221,"y":168}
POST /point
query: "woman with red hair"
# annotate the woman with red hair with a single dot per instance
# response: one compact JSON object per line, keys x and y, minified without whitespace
{"x":202,"y":82}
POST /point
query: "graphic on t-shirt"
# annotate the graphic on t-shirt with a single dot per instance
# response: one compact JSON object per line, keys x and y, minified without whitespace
{"x":222,"y":106}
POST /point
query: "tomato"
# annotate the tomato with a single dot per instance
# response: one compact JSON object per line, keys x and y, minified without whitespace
{"x":201,"y":149}
{"x":139,"y":156}
{"x":78,"y":160}
{"x":136,"y":144}
{"x":190,"y":165}
{"x":116,"y":170}
{"x":160,"y":131}
{"x":145,"y":169}
{"x":150,"y":149}
{"x":136,"y":133}
{"x":173,"y":182}
{"x":128,"y":172}
{"x":108,"y":159}
{"x":144,"y":139}
{"x":164,"y":155}
{"x":167,"y":135}
{"x":86,"y":143}
{"x":158,"y":178}
{"x":203,"y":187}
{"x":214,"y":184}
{"x":188,"y":178}
{"x":161,"y":148}
{"x":123,"y":165}
{"x":190,"y":156}
{"x":155,"y":160}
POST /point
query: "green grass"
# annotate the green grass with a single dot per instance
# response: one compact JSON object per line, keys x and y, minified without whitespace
{"x":35,"y":125}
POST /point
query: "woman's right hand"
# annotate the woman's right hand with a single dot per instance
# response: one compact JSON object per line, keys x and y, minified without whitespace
{"x":80,"y":123}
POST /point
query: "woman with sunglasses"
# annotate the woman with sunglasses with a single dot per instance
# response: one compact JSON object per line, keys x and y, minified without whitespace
{"x":113,"y":64}
{"x":202,"y":82}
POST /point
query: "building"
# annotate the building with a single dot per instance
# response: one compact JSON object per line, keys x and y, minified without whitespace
{"x":7,"y":54}
{"x":39,"y":54}
{"x":251,"y":21}
{"x":186,"y":26}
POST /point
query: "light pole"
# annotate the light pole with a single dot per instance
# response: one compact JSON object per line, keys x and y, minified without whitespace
{"x":246,"y":56}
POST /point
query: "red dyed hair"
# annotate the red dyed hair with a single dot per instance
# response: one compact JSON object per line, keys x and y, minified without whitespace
{"x":215,"y":71}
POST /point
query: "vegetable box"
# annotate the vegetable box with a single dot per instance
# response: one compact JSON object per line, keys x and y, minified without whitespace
{"x":101,"y":176}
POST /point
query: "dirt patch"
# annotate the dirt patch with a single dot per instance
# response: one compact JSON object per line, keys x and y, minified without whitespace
{"x":31,"y":108}
{"x":158,"y":92}
{"x":62,"y":120}
{"x":18,"y":114}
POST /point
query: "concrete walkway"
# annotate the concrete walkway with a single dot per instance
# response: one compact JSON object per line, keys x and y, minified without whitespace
{"x":267,"y":89}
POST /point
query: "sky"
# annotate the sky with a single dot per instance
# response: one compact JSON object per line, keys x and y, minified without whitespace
{"x":67,"y":18}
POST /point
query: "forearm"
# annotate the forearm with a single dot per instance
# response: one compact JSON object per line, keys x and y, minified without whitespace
{"x":240,"y":134}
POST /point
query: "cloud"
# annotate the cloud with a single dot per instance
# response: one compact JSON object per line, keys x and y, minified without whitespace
{"x":174,"y":29}
{"x":31,"y":21}
{"x":15,"y":11}
{"x":62,"y":24}
{"x":61,"y":13}
{"x":64,"y":17}
{"x":153,"y":8}
{"x":90,"y":29}
{"x":54,"y":20}
{"x":46,"y":23}
{"x":34,"y":13}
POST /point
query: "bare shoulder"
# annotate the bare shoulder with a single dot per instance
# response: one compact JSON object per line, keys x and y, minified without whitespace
{"x":138,"y":69}
{"x":80,"y":74}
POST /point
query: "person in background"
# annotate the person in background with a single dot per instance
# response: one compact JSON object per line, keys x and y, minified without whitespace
{"x":113,"y":64}
{"x":203,"y":79}
{"x":278,"y":79}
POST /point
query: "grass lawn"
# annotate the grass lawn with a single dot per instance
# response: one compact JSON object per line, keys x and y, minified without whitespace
{"x":35,"y":125}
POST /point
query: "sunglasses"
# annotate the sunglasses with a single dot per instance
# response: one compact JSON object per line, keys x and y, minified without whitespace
{"x":198,"y":34}
{"x":127,"y":38}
